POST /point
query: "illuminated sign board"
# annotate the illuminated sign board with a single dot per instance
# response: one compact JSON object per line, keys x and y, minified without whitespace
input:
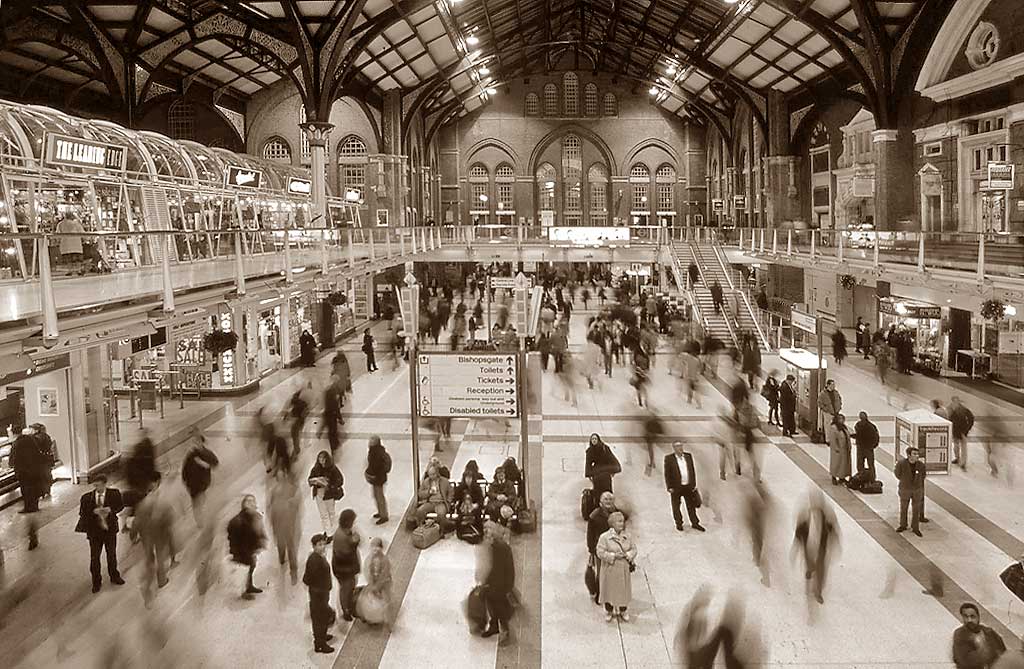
{"x":62,"y":150}
{"x":739,"y":201}
{"x":588,"y":235}
{"x":1000,"y":176}
{"x":300,"y":186}
{"x":243,"y":177}
{"x":717,"y":204}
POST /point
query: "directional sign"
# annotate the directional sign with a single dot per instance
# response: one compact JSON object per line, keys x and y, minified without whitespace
{"x":502,"y":282}
{"x":410,"y":307}
{"x":466,"y":385}
{"x":535,"y":301}
{"x":521,"y":309}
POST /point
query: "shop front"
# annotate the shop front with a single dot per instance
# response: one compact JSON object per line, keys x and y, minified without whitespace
{"x":927,"y":327}
{"x":302,"y":316}
{"x":39,"y":394}
{"x":261,"y":325}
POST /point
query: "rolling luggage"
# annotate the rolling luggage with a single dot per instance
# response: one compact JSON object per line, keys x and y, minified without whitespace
{"x":476,"y":610}
{"x":526,"y":522}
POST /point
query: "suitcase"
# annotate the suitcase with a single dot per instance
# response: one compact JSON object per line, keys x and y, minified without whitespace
{"x":527,"y":522}
{"x":871,"y":488}
{"x":858,"y":480}
{"x":588,"y":502}
{"x":426,"y":536}
{"x":411,"y":521}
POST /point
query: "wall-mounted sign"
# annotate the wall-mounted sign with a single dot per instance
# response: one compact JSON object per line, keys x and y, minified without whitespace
{"x":718,"y":205}
{"x":243,"y":177}
{"x":909,"y":310}
{"x":382,"y":218}
{"x":864,"y":186}
{"x":1000,"y":176}
{"x":739,"y":201}
{"x":70,"y":151}
{"x":805,"y":322}
{"x":300,"y":186}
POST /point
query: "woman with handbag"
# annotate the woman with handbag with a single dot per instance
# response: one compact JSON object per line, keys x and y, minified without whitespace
{"x":770,"y":392}
{"x":374,"y":603}
{"x":617,"y":553}
{"x":601,"y":465}
{"x":326,"y":482}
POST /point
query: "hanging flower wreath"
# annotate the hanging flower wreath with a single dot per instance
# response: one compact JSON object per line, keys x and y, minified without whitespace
{"x":219,"y":341}
{"x":993,"y":310}
{"x":337,"y":298}
{"x":848,"y":281}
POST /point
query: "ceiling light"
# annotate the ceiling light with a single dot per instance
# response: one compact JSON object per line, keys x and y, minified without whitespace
{"x":671,"y":69}
{"x":472,"y":40}
{"x":654,"y":90}
{"x":485,"y":70}
{"x":492,"y":91}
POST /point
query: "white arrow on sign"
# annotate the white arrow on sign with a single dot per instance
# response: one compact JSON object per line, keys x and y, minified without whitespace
{"x":522,"y":283}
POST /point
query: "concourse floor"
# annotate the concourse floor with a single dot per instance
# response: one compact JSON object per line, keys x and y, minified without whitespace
{"x":875,"y":614}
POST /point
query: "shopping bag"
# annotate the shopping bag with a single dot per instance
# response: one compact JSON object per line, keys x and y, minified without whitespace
{"x":590,"y":577}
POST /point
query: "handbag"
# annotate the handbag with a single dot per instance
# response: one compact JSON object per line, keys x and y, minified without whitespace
{"x":698,"y":500}
{"x":590,"y":577}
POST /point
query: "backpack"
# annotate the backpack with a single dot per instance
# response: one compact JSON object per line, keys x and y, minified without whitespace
{"x":387,"y":462}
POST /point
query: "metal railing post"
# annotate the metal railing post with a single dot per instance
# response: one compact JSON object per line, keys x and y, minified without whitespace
{"x":287,"y":258}
{"x":351,"y":251}
{"x":413,"y":231}
{"x":165,"y":271}
{"x":762,"y":239}
{"x":239,"y":266}
{"x":981,"y":258}
{"x":877,"y":241}
{"x":839,"y":247}
{"x":814,"y":240}
{"x":373,"y":248}
{"x":387,"y":242}
{"x":741,"y":238}
{"x":920,"y":253}
{"x":401,"y":241}
{"x":775,"y":241}
{"x":324,"y":263}
{"x":47,"y":301}
{"x":789,"y":242}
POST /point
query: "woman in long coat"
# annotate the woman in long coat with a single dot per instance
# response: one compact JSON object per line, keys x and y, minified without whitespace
{"x":839,"y":450}
{"x":617,"y":553}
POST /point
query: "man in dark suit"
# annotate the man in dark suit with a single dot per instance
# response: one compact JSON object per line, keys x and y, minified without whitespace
{"x":787,"y":401}
{"x":681,"y":481}
{"x":97,"y":519}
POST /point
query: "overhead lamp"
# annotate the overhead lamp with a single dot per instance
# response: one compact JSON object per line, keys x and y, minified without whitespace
{"x":671,"y":69}
{"x":472,"y":40}
{"x":483,"y":197}
{"x":1009,"y":310}
{"x":654,"y":90}
{"x":492,"y":91}
{"x":484,"y":71}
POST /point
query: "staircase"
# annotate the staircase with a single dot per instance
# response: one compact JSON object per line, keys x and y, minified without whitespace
{"x":738,"y":308}
{"x":715,"y":324}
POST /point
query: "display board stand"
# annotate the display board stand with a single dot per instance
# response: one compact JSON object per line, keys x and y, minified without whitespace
{"x":930,"y":433}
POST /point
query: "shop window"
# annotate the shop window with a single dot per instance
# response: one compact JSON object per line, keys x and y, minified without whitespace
{"x":590,"y":100}
{"x":532,"y":104}
{"x":181,"y":120}
{"x":550,"y":100}
{"x":611,"y":105}
{"x":571,"y":93}
{"x":277,"y":149}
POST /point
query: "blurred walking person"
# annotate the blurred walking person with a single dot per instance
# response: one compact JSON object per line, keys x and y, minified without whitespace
{"x":298,"y":411}
{"x":154,"y":522}
{"x":757,"y":510}
{"x":284,"y":510}
{"x":499,"y":581}
{"x":374,"y":603}
{"x":317,"y":577}
{"x":963,"y":420}
{"x":378,"y":466}
{"x":653,"y":430}
{"x":246,"y":538}
{"x":815,"y":539}
{"x":197,"y":473}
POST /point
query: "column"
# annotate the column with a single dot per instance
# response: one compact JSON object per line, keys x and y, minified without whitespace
{"x":894,"y":180}
{"x":393,"y":189}
{"x":781,"y":195}
{"x":318,"y":133}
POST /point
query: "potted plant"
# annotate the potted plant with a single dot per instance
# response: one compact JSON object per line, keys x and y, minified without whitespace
{"x":993,"y":310}
{"x":219,"y":341}
{"x":848,"y":281}
{"x":337,"y":298}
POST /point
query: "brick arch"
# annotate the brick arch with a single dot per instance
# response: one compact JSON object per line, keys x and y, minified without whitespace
{"x":571,"y":129}
{"x":650,"y":143}
{"x":512,"y":155}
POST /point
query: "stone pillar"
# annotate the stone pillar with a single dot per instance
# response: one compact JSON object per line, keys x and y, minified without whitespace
{"x":391,"y":186}
{"x":782,"y":203}
{"x":318,"y":133}
{"x":894,"y":181}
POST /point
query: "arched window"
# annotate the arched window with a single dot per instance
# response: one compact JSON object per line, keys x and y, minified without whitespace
{"x":546,"y":176}
{"x":550,"y":100}
{"x":532,"y":104}
{"x":504,"y":178}
{"x":611,"y":105}
{"x":571,"y":93}
{"x":572,"y":169}
{"x":181,"y":119}
{"x":590,"y":99}
{"x":277,"y":149}
{"x":665,"y":179}
{"x":597,"y":180}
{"x":479,"y":193}
{"x":303,"y":137}
{"x":352,"y":168}
{"x":640,"y":179}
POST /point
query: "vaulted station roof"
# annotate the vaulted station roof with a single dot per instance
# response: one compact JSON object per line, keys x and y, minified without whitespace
{"x":708,"y":53}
